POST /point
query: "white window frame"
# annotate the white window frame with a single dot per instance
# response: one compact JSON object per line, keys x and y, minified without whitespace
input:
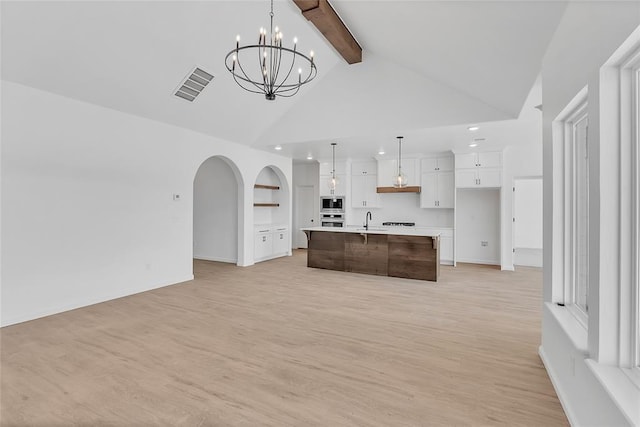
{"x":620,"y":107}
{"x":564,"y":136}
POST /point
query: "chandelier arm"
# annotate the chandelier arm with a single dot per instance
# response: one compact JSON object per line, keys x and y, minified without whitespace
{"x":244,"y":84}
{"x":246,"y":78}
{"x":293,"y":61}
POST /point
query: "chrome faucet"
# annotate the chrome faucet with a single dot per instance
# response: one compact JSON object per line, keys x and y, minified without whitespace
{"x":367,"y":217}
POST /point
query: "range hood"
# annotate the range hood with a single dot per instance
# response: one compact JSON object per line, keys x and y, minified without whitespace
{"x":408,"y":189}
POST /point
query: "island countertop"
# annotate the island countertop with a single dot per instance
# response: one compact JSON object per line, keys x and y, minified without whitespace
{"x":397,"y":231}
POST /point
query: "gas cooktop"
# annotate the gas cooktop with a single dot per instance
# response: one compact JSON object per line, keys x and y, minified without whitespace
{"x":401,"y":224}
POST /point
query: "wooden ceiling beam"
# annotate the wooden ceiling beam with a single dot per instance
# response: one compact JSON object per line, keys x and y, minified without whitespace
{"x":322,"y":15}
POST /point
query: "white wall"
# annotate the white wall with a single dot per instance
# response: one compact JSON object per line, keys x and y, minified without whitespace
{"x":87,"y":202}
{"x":478,"y":219}
{"x":215,"y":212}
{"x":587,"y":36}
{"x":403,"y":207}
{"x":305,"y":174}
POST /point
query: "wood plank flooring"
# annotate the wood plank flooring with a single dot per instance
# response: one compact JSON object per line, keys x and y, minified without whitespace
{"x":282,"y":344}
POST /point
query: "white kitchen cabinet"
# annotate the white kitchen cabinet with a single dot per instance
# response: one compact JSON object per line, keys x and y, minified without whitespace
{"x":327,"y":167}
{"x":437,"y":190}
{"x":263,"y":244}
{"x":446,"y":249}
{"x":340,"y":188}
{"x":477,"y":170}
{"x":363,"y":191}
{"x":437,"y":164}
{"x":479,"y":178}
{"x":387,"y":169}
{"x":270,"y":242}
{"x":479,"y":160}
{"x":280,"y":241}
{"x":364,"y":168}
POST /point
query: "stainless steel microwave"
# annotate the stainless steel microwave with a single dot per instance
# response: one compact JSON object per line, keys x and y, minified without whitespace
{"x":332,"y":204}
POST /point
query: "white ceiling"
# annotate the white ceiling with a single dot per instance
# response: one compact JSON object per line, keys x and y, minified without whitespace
{"x":430,"y":68}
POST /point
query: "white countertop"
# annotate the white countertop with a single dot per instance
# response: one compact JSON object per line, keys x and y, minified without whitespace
{"x":398,"y":231}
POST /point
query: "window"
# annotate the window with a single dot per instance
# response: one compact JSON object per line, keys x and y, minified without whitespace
{"x":570,"y":133}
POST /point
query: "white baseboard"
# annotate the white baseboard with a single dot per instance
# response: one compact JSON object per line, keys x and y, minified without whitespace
{"x":216,"y":259}
{"x":478,"y":261}
{"x":50,"y":311}
{"x":556,"y":386}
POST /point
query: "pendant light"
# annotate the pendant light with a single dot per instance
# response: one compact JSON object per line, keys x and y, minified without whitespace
{"x":333,"y":181}
{"x":399,"y":180}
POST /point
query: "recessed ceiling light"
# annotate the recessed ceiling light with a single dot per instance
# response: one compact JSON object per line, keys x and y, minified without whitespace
{"x":473,"y":128}
{"x":309,"y":157}
{"x":473,"y":145}
{"x":278,"y":147}
{"x":381,"y":152}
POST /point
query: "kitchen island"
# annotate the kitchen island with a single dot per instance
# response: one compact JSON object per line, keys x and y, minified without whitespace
{"x":408,"y":253}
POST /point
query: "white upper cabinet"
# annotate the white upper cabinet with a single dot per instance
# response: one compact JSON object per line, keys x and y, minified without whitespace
{"x":387,"y":169}
{"x":479,"y":160}
{"x":341,"y":187}
{"x":363,"y":185}
{"x":437,"y":190}
{"x":437,"y":164}
{"x":327,"y":167}
{"x":475,"y":170}
{"x":364,"y":168}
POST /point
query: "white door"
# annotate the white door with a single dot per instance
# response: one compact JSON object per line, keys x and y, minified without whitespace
{"x":306,"y":212}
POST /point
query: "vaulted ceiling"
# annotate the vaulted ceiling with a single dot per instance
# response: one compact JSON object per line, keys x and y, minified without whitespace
{"x":429,"y":69}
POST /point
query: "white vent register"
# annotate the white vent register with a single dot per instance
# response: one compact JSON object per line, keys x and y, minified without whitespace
{"x":193,"y":85}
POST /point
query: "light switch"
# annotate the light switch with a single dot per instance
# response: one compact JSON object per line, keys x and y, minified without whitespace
{"x":176,"y":197}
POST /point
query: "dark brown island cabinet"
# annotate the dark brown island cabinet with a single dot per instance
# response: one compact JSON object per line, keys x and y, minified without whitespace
{"x":411,"y":256}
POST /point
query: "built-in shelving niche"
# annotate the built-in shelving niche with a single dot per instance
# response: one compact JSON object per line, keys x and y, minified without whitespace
{"x":269,"y":196}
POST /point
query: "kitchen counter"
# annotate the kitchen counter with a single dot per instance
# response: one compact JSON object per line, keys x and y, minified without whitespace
{"x":399,"y":231}
{"x":408,"y":252}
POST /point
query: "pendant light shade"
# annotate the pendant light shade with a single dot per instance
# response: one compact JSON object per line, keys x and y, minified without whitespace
{"x":399,"y":180}
{"x":333,"y":181}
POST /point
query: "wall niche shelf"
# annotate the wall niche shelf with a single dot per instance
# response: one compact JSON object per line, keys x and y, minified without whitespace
{"x":266,"y":187}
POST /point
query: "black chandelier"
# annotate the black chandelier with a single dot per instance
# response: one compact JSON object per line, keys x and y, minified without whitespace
{"x":273,"y":75}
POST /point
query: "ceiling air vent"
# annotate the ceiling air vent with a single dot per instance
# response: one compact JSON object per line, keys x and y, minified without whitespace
{"x":195,"y":82}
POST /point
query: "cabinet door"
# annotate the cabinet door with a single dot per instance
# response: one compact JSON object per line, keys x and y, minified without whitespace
{"x":280,"y":242}
{"x":446,"y":250}
{"x":263,"y":245}
{"x":363,"y":168}
{"x":446,"y":190}
{"x":466,"y":178}
{"x":466,"y":161}
{"x":358,"y":191}
{"x":363,"y":191}
{"x":429,"y":165}
{"x":489,"y":178}
{"x":490,"y":160}
{"x":340,"y":188}
{"x":429,"y":191}
{"x":372,"y":199}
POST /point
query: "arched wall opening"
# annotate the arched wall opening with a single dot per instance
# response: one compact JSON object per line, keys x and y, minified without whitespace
{"x":271,"y":215}
{"x":218,"y":211}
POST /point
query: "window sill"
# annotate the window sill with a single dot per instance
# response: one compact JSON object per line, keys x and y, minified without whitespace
{"x":572,"y":327}
{"x":621,"y":386}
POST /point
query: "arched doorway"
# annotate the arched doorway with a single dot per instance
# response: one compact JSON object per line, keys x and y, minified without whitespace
{"x":217,"y":211}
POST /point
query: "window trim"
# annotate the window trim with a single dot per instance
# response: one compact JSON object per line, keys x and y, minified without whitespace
{"x":563,"y":128}
{"x":619,"y":109}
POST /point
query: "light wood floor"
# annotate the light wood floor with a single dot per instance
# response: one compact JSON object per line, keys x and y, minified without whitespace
{"x":280,"y":344}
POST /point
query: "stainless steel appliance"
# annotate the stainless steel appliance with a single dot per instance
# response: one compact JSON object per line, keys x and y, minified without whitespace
{"x":399,"y":224}
{"x":330,"y":204}
{"x":331,"y":220}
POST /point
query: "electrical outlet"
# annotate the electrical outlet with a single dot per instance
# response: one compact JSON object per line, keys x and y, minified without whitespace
{"x":484,"y":243}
